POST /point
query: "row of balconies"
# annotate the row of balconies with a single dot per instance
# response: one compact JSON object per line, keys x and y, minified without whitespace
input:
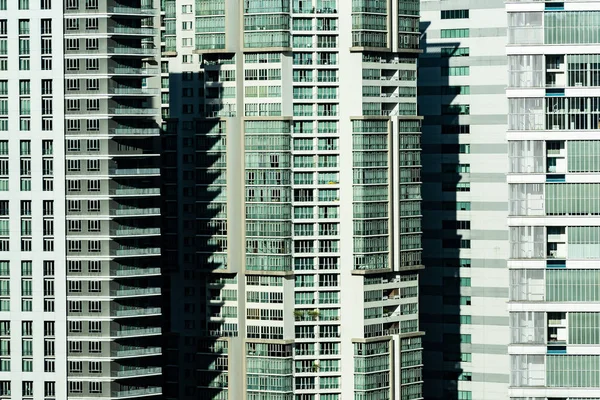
{"x":115,"y":311}
{"x":143,"y":11}
{"x":112,"y":68}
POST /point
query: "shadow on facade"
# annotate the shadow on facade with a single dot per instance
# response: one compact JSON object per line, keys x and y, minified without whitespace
{"x":440,"y":282}
{"x":193,"y":232}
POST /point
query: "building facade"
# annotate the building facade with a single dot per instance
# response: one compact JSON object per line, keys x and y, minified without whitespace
{"x":292,"y":198}
{"x":462,"y":82}
{"x":80,"y":213}
{"x":553,"y":52}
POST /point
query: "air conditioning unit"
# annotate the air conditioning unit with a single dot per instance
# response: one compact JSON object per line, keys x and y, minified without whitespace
{"x":553,"y":253}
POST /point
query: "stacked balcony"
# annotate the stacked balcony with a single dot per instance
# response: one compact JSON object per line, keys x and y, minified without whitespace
{"x":111,"y":118}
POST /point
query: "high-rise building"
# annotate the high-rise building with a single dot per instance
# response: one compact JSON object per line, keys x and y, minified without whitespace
{"x":462,"y":83}
{"x":292,"y":199}
{"x":554,"y":181}
{"x":79,"y":206}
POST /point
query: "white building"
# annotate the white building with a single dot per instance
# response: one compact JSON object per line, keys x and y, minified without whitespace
{"x":554,"y":54}
{"x":293,"y":199}
{"x":79,"y":226}
{"x":462,"y":82}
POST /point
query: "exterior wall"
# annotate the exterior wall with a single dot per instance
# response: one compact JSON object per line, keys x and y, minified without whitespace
{"x":112,"y":199}
{"x":551,"y":70}
{"x":465,"y":284}
{"x":273,"y":156}
{"x":33,"y":308}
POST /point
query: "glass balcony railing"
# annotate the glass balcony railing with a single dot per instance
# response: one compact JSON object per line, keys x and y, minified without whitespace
{"x":135,"y":291}
{"x":141,"y":351}
{"x":130,"y":50}
{"x":134,"y":211}
{"x":136,"y":392}
{"x":129,"y":10}
{"x":133,"y":191}
{"x":132,"y":31}
{"x":130,"y":271}
{"x":123,"y":70}
{"x":137,"y":332}
{"x":134,"y":311}
{"x":136,"y":251}
{"x":132,"y":110}
{"x":136,"y":372}
{"x":132,"y":90}
{"x":134,"y":171}
{"x":135,"y":131}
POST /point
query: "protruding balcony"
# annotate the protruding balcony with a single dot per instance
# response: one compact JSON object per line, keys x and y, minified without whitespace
{"x":136,"y":331}
{"x":132,"y":311}
{"x":133,"y":372}
{"x":138,"y":392}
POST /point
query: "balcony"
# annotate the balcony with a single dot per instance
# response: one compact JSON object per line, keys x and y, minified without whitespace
{"x":134,"y":211}
{"x":134,"y":131}
{"x":132,"y":111}
{"x":133,"y":90}
{"x":135,"y":252}
{"x":131,"y":271}
{"x":135,"y":311}
{"x":131,"y":291}
{"x":137,"y":392}
{"x":125,"y":30}
{"x":129,"y":50}
{"x":140,"y":351}
{"x":124,"y":10}
{"x":135,"y":372}
{"x":123,"y":70}
{"x":136,"y":332}
{"x":133,"y":191}
{"x":134,"y":171}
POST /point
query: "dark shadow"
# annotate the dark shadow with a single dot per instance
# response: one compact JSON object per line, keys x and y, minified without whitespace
{"x":440,"y":281}
{"x":194,"y":233}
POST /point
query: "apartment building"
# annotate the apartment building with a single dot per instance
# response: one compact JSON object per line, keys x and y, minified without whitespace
{"x":291,"y":171}
{"x":553,"y":52}
{"x":462,"y":81}
{"x":80,"y":212}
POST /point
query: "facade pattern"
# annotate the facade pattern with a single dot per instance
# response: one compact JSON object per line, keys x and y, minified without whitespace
{"x":462,"y":82}
{"x":553,"y":179}
{"x":80,"y":217}
{"x":292,"y":159}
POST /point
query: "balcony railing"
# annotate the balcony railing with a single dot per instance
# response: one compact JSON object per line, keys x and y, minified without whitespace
{"x":134,"y":211}
{"x":130,"y":50}
{"x":134,"y":171}
{"x":131,"y":31}
{"x":135,"y":131}
{"x":132,"y":110}
{"x":123,"y":271}
{"x":131,"y":71}
{"x":142,"y":351}
{"x":132,"y":90}
{"x":137,"y":372}
{"x":137,"y":392}
{"x":137,"y":332}
{"x":136,"y":252}
{"x":135,"y":291}
{"x":134,"y":191}
{"x":135,"y":311}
